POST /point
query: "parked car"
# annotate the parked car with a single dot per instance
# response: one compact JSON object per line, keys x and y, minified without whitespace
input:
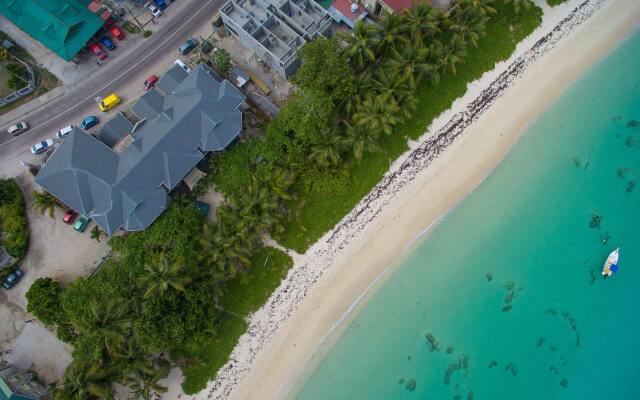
{"x":98,"y":51}
{"x":161,"y":4}
{"x":42,"y":146}
{"x":12,"y":279}
{"x":108,"y":43}
{"x":182,"y":65}
{"x":18,"y":128}
{"x":117,"y":33}
{"x":64,"y":132}
{"x":150,"y":82}
{"x":70,"y":216}
{"x":89,"y":122}
{"x":109,"y":102}
{"x":81,"y":224}
{"x":187,"y":46}
{"x":153,"y":9}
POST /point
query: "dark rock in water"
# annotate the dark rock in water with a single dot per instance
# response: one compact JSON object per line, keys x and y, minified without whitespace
{"x":450,"y":349}
{"x":511,"y":368}
{"x":554,"y":370}
{"x":616,"y":118}
{"x":461,"y":364}
{"x":493,"y":364}
{"x":408,"y":358}
{"x":510,"y":285}
{"x":578,"y":340}
{"x":592,"y":273}
{"x":401,"y":381}
{"x":563,"y":361}
{"x":553,"y":347}
{"x":410,"y":384}
{"x":488,"y":276}
{"x":577,"y":161}
{"x":507,"y":308}
{"x":457,"y":396}
{"x":433,"y":343}
{"x":540,"y":341}
{"x":630,"y":186}
{"x":550,"y":311}
{"x":469,"y":394}
{"x":632,"y":123}
{"x":622,"y":172}
{"x":596,"y":219}
{"x":604,"y":238}
{"x":508,"y":297}
{"x":564,"y":382}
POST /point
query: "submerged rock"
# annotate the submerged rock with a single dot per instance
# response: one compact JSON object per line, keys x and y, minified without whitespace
{"x":507,"y":308}
{"x":630,"y":186}
{"x":604,"y":238}
{"x":488,"y":276}
{"x":596,"y":219}
{"x":577,"y":161}
{"x":493,"y":364}
{"x":632,"y":123}
{"x":511,"y":367}
{"x":564,"y":383}
{"x":450,"y":349}
{"x":433,"y":343}
{"x":410,"y":384}
{"x":469,"y":394}
{"x":540,"y":341}
{"x":461,"y":364}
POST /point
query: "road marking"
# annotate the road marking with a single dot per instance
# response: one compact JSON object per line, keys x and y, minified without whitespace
{"x":115,"y":79}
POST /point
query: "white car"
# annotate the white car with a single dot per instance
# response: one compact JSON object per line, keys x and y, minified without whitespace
{"x":42,"y":146}
{"x":18,"y":128}
{"x":153,"y":9}
{"x":182,"y":65}
{"x":64,"y":132}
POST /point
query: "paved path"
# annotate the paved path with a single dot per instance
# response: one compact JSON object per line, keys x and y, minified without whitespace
{"x":125,"y":76}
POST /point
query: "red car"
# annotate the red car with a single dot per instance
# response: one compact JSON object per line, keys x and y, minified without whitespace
{"x":150,"y":82}
{"x":98,"y":51}
{"x":70,"y":216}
{"x":115,"y":31}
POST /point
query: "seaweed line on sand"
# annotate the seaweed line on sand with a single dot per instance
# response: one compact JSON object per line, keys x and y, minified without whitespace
{"x":294,"y":288}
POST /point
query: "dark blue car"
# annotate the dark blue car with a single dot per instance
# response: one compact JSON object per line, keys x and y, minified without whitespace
{"x":108,"y":43}
{"x":161,"y":4}
{"x":89,"y":122}
{"x":12,"y":279}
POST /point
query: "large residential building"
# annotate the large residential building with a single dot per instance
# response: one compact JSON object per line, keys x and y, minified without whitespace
{"x":16,"y":384}
{"x":121,"y":178}
{"x":64,"y":26}
{"x":276,"y":29}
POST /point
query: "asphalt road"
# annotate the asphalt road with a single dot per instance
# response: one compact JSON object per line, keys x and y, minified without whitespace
{"x":79,"y":101}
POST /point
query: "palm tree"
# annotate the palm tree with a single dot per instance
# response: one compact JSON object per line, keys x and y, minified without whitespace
{"x":44,"y":202}
{"x":391,"y":85}
{"x":325,"y":152}
{"x":377,"y":113}
{"x":359,"y":141}
{"x":468,"y":19}
{"x":410,"y":63}
{"x":422,"y":22}
{"x":109,"y":320}
{"x":97,"y":233}
{"x":81,"y":383}
{"x":144,"y":381}
{"x":361,"y":45}
{"x":392,"y":32}
{"x":517,"y":4}
{"x":454,"y":53}
{"x":161,"y":274}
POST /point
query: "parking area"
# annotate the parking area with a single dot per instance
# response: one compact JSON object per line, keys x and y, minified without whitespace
{"x":57,"y":251}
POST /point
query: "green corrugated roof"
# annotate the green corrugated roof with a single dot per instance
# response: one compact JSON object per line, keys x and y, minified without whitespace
{"x":64,"y":26}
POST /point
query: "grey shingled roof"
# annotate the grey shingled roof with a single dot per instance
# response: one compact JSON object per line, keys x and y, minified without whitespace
{"x":149,"y":105}
{"x":115,"y":129}
{"x":129,"y":190}
{"x":171,"y":79}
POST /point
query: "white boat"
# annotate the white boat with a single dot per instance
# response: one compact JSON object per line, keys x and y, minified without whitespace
{"x":611,"y":265}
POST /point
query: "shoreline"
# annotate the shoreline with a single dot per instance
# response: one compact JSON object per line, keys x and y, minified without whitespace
{"x":470,"y":139}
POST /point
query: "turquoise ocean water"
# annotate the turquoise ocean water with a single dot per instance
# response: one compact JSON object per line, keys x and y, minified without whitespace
{"x":504,"y":300}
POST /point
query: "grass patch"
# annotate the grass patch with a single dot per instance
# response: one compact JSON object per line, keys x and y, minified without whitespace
{"x":314,"y":213}
{"x":45,"y":80}
{"x":14,"y":227}
{"x":554,"y":3}
{"x":242,"y":295}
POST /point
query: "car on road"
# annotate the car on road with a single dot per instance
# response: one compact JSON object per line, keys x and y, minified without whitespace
{"x":41,"y":147}
{"x":89,"y":122}
{"x":81,"y":224}
{"x":15,"y":130}
{"x":161,"y":4}
{"x":108,"y":43}
{"x":64,"y":132}
{"x":117,"y":33}
{"x":12,"y":279}
{"x":153,"y":9}
{"x":98,"y":51}
{"x":182,"y":65}
{"x":70,"y":216}
{"x":187,"y":46}
{"x":109,"y":102}
{"x":150,"y":82}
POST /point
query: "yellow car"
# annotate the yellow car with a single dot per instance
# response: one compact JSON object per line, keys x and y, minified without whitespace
{"x":109,"y":102}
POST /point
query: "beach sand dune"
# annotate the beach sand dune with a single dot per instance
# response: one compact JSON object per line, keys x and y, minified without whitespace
{"x":457,"y":152}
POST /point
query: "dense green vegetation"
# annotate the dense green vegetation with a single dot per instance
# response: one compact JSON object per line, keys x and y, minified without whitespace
{"x":14,"y":229}
{"x":554,"y":3}
{"x":342,"y":133}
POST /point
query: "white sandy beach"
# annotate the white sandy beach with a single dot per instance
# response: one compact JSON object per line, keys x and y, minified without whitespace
{"x":472,"y":138}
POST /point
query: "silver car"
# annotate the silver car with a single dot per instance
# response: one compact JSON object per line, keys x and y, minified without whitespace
{"x":18,"y":128}
{"x":42,"y":146}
